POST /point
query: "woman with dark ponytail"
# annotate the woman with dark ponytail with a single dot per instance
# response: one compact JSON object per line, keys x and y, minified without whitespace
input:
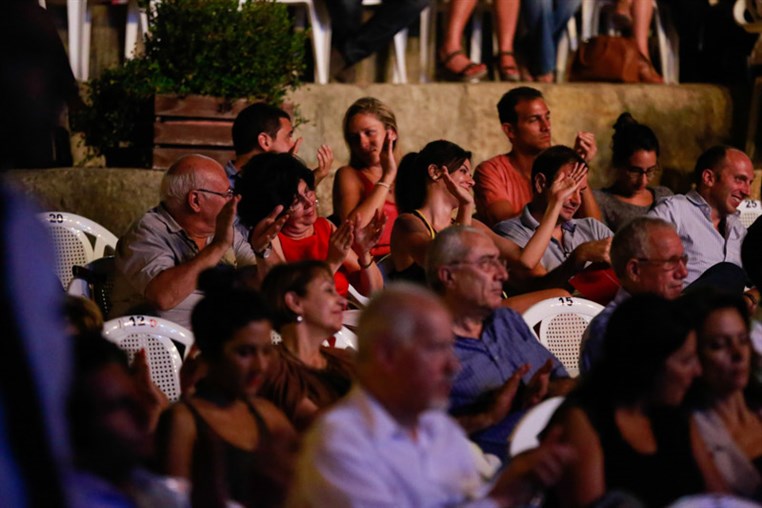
{"x":635,"y":163}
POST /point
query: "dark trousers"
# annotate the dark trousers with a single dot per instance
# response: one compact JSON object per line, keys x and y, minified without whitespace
{"x":355,"y":40}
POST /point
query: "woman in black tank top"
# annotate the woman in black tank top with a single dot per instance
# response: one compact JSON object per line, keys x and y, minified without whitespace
{"x":224,"y":438}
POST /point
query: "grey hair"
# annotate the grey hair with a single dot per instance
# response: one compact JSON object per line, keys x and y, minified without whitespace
{"x":393,"y":317}
{"x":447,"y":248}
{"x":632,"y":241}
{"x":178,"y":182}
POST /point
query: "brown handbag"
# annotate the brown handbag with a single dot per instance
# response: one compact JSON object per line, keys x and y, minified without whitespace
{"x":607,"y":58}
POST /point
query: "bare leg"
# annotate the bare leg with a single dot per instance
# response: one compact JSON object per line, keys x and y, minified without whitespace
{"x":642,"y":11}
{"x":459,"y":13}
{"x":506,"y":17}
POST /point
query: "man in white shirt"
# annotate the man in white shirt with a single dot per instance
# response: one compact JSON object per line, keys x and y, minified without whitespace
{"x":389,"y":443}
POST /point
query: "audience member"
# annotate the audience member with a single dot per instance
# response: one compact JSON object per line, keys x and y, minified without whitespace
{"x":545,"y":21}
{"x":707,"y":220}
{"x":574,"y":243}
{"x":624,"y":419}
{"x":648,"y":257}
{"x":112,"y":432}
{"x":503,"y":183}
{"x":366,"y":185}
{"x":633,"y":19}
{"x":635,"y":162}
{"x":355,"y":40}
{"x":456,"y":65}
{"x":389,"y":443}
{"x":728,"y":416}
{"x":494,"y":345}
{"x":82,"y":316}
{"x":436,"y":182}
{"x":159,"y":259}
{"x":305,"y":377}
{"x":279,"y":182}
{"x":262,"y":128}
{"x":751,"y":249}
{"x":229,"y":442}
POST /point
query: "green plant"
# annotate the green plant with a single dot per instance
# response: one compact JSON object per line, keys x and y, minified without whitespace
{"x":206,"y":47}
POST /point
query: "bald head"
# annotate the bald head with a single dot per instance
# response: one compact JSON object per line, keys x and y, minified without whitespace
{"x":188,"y":173}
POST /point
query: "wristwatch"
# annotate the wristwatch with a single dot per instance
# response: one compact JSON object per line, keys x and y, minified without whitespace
{"x":264,"y":253}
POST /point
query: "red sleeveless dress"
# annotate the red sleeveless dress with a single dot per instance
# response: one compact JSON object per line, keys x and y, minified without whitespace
{"x":313,"y":247}
{"x":383,"y":246}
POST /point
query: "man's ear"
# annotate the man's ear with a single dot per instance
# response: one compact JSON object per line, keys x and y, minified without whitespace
{"x":445,"y":276}
{"x":539,"y":183}
{"x":508,"y":130}
{"x":265,"y":141}
{"x":632,"y":269}
{"x":708,"y":177}
{"x":435,"y":172}
{"x":193,"y":201}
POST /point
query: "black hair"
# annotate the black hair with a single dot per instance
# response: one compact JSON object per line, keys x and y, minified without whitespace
{"x":269,"y":180}
{"x":506,"y":107}
{"x":751,"y":253}
{"x":413,"y":172}
{"x":552,"y":159}
{"x":217,"y":317}
{"x":710,"y":159}
{"x":629,"y":137}
{"x":285,"y":278}
{"x":253,"y":121}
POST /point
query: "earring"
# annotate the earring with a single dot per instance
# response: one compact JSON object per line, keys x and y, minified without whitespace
{"x":299,"y":318}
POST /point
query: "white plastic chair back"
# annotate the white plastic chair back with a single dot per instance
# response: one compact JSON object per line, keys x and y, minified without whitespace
{"x":750,"y":209}
{"x":156,"y":336}
{"x":524,"y":435}
{"x":95,"y":281}
{"x":713,"y":501}
{"x":562,"y":321}
{"x":355,"y":298}
{"x":344,"y":338}
{"x":73,"y":247}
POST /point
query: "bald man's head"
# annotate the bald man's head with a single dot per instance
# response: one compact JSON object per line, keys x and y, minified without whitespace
{"x":188,"y":173}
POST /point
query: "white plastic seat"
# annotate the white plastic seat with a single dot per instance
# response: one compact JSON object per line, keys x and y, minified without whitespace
{"x":750,"y":209}
{"x":524,"y":435}
{"x":356,"y":298}
{"x":665,"y":34}
{"x":157,"y":337}
{"x":320,"y":22}
{"x":562,"y":321}
{"x":343,"y":339}
{"x":73,"y":247}
{"x":95,"y":281}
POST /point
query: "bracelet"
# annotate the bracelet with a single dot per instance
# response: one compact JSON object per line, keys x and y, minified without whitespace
{"x":365,"y":267}
{"x":384,"y":184}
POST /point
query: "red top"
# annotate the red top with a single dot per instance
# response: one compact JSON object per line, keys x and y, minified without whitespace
{"x":313,"y":247}
{"x":496,"y":180}
{"x":383,"y":246}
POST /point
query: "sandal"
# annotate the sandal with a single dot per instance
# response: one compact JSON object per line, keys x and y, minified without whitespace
{"x":471,"y":73}
{"x":508,"y":73}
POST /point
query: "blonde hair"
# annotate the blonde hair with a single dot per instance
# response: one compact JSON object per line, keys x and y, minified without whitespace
{"x":368,"y":106}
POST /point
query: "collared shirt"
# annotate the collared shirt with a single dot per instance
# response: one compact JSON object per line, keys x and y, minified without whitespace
{"x":357,"y":455}
{"x":505,"y":344}
{"x":704,"y":245}
{"x":592,"y":340}
{"x":154,"y":244}
{"x":232,"y":173}
{"x":575,"y":232}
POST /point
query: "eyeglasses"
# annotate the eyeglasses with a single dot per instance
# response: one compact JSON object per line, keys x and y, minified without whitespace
{"x":667,"y":264}
{"x":306,"y":199}
{"x":640,"y":172}
{"x":227,"y":194}
{"x":486,"y":263}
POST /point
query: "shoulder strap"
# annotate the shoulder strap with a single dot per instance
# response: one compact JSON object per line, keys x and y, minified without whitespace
{"x":418,"y":214}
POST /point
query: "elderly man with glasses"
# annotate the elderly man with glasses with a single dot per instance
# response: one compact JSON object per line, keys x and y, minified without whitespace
{"x":159,"y":259}
{"x":505,"y":369}
{"x":648,"y":257}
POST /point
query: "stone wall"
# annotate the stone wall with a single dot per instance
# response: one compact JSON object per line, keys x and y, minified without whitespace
{"x":687,"y":119}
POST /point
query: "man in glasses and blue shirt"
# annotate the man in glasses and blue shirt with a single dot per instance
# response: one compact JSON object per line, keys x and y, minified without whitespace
{"x":159,"y":259}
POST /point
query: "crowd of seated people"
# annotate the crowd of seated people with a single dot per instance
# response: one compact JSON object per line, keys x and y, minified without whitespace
{"x":668,"y":403}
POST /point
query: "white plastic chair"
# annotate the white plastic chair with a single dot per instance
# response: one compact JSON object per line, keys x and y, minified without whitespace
{"x":562,"y":322}
{"x":665,"y":34}
{"x":73,"y":247}
{"x":524,"y":435}
{"x":157,"y":336}
{"x":750,"y":209}
{"x":320,"y":22}
{"x":95,"y":281}
{"x":357,"y":299}
{"x":344,"y":338}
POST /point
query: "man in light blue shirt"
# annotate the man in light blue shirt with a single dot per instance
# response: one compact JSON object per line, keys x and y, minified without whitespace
{"x":707,"y":218}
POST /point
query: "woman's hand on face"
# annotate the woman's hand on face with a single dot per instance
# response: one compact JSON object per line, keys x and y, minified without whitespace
{"x":367,"y":237}
{"x":462,"y":194}
{"x":339,"y":244}
{"x":565,"y":184}
{"x":267,"y":229}
{"x":388,"y":163}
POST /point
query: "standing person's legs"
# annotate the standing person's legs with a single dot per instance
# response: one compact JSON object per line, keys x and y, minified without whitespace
{"x":506,"y":17}
{"x":390,"y":17}
{"x":538,"y":16}
{"x":346,"y":18}
{"x":642,"y":12}
{"x":451,"y":54}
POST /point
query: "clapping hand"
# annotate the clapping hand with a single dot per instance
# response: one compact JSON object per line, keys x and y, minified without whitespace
{"x":339,"y":244}
{"x":267,"y":229}
{"x":584,"y":144}
{"x":365,"y":238}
